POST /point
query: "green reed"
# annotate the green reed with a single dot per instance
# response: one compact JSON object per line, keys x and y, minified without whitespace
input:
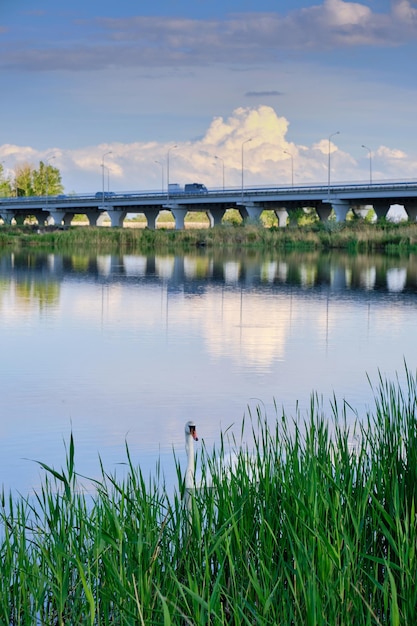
{"x":355,"y":236}
{"x":314,"y":524}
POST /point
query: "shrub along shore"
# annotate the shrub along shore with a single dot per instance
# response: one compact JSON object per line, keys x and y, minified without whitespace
{"x":355,"y":236}
{"x":317,"y":531}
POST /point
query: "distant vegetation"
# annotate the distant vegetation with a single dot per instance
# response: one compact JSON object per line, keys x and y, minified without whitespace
{"x":316,"y":525}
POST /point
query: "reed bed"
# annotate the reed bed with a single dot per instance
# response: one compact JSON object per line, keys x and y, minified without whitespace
{"x":306,"y":529}
{"x":354,"y":236}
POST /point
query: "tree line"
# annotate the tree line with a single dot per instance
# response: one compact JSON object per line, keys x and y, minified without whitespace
{"x":28,"y":180}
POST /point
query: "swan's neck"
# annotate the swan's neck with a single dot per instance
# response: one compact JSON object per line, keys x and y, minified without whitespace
{"x":189,"y":472}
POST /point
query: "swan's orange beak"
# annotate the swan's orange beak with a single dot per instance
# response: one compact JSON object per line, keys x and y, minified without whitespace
{"x":193,"y":433}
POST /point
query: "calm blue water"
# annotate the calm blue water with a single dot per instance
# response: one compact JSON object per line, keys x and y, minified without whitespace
{"x":127,"y":348}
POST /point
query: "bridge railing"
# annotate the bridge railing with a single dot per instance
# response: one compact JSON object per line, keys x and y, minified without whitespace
{"x":304,"y":188}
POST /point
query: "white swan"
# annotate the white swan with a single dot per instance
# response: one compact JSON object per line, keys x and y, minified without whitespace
{"x":231,"y":464}
{"x":190,"y":437}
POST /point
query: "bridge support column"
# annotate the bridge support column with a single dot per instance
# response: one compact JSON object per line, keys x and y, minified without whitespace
{"x":94,"y":216}
{"x":340,"y":208}
{"x":179,"y":217}
{"x":20,"y":218}
{"x":68,"y":217}
{"x":324,"y":210}
{"x":410,"y":208}
{"x":215,"y":216}
{"x":54,"y":218}
{"x":40,"y":216}
{"x":250,"y":211}
{"x":116,"y":217}
{"x":381,"y":208}
{"x":151,"y":217}
{"x":7,"y":217}
{"x":282,"y":215}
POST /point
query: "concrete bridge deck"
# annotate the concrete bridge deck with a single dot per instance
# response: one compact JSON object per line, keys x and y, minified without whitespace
{"x":250,"y":202}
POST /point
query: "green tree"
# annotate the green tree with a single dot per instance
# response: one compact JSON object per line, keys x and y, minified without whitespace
{"x":47,"y":180}
{"x":5,"y":184}
{"x":23,"y":180}
{"x":44,"y":181}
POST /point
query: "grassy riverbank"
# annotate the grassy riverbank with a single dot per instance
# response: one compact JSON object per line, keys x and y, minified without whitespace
{"x":356,"y":236}
{"x":325,"y":534}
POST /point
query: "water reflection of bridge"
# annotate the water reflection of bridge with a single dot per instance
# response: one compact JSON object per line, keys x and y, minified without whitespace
{"x":193,"y":274}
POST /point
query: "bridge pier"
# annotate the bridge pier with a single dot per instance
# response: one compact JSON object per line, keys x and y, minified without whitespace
{"x":179,"y":216}
{"x":55,"y":217}
{"x":151,"y":217}
{"x":215,"y":216}
{"x":340,"y":208}
{"x":95,"y":217}
{"x":20,"y":219}
{"x":116,"y":216}
{"x":282,"y":216}
{"x":410,"y":208}
{"x":323,"y":210}
{"x":7,"y":216}
{"x":250,"y":210}
{"x":381,"y":208}
{"x":67,"y":219}
{"x":59,"y":217}
{"x":40,"y":217}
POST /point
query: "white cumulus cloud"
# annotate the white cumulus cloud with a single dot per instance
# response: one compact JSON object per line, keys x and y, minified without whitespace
{"x":259,"y":133}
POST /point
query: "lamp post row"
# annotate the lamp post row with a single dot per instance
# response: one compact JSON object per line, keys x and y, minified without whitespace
{"x":285,"y":152}
{"x":222,"y":162}
{"x":53,"y":156}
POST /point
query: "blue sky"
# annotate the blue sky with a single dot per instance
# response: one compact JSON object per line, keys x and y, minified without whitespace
{"x":82,"y":79}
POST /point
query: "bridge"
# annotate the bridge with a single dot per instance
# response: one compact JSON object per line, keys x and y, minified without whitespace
{"x":249,"y":202}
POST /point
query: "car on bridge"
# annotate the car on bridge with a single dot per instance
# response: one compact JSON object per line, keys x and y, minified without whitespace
{"x":105,"y":194}
{"x":195,"y":188}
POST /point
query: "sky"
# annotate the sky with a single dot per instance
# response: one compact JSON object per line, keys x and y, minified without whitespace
{"x":133,"y":94}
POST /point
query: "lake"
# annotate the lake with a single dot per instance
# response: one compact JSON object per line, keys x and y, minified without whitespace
{"x":125,"y":349}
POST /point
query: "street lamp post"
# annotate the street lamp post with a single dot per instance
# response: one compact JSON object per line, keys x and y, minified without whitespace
{"x":243,"y":143}
{"x":222,"y":161}
{"x":370,"y":162}
{"x":162,"y":175}
{"x":169,"y":150}
{"x":328,"y":163}
{"x":292,"y":167}
{"x":108,"y":178}
{"x":53,"y":156}
{"x":102,"y":168}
